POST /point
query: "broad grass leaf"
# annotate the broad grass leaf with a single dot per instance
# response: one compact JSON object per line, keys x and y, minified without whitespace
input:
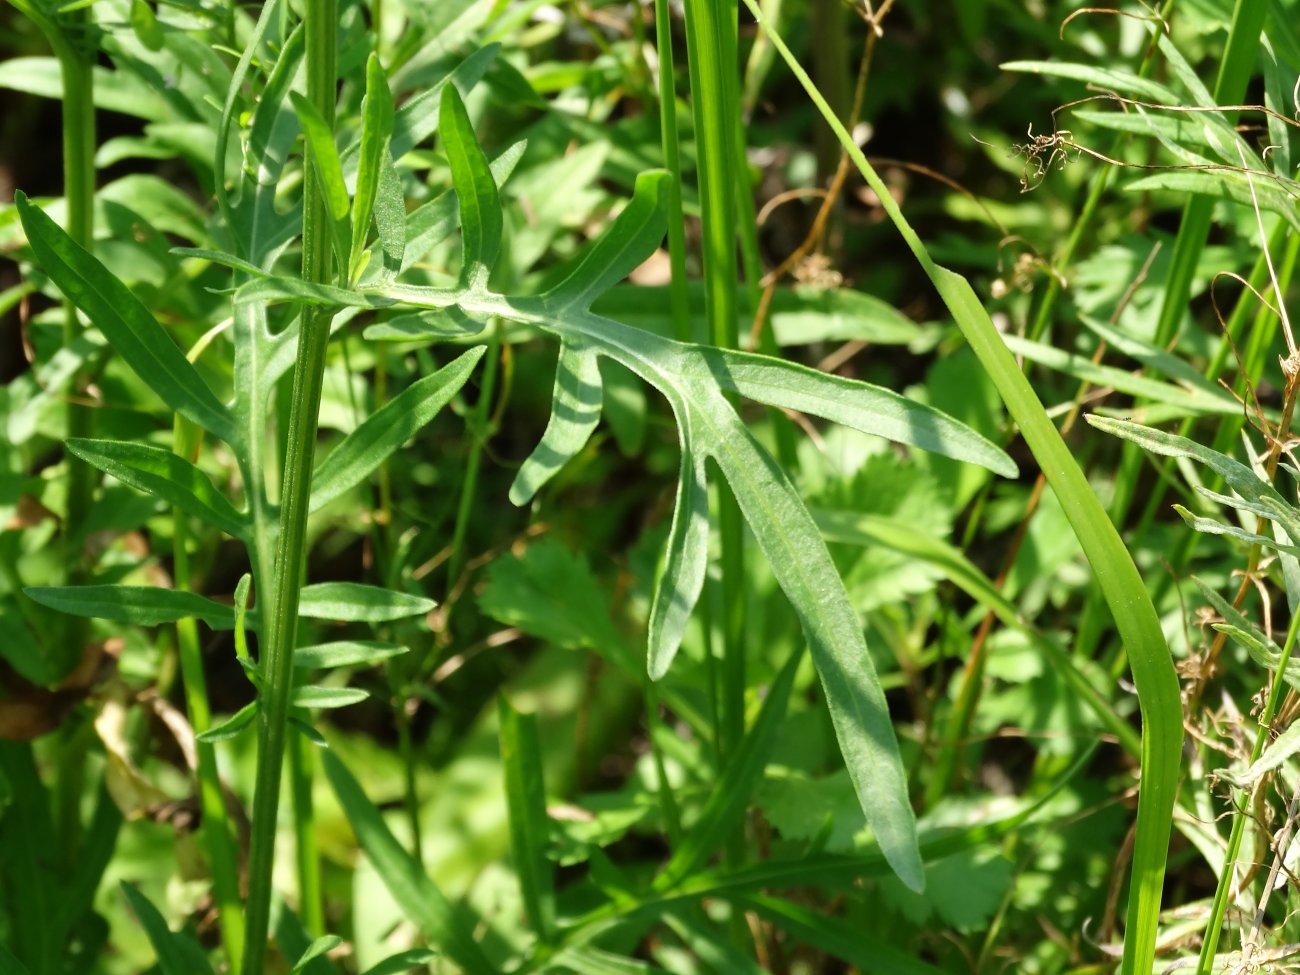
{"x":575,"y":411}
{"x":836,"y":937}
{"x":345,"y":653}
{"x":1103,"y":79}
{"x":314,"y":696}
{"x":449,"y":927}
{"x":355,"y":602}
{"x":729,"y":800}
{"x":177,"y":954}
{"x":127,"y":324}
{"x":1195,"y":401}
{"x":165,"y":475}
{"x":384,"y":431}
{"x":139,"y":605}
{"x":1272,"y":195}
{"x":476,"y":192}
{"x":521,"y":762}
{"x":376,"y":134}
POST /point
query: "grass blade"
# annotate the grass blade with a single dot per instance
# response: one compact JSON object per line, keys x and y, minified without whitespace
{"x":450,"y":927}
{"x":521,"y":760}
{"x":1117,"y":576}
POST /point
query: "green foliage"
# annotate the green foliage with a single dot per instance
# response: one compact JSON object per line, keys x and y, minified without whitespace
{"x":347,"y":286}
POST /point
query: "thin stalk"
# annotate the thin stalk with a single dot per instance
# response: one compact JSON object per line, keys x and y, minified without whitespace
{"x":1135,"y":617}
{"x":482,"y":432}
{"x":677,"y":294}
{"x":302,"y":765}
{"x":1213,"y":928}
{"x":320,"y":25}
{"x":1193,"y":229}
{"x":709,"y":53}
{"x":214,"y":826}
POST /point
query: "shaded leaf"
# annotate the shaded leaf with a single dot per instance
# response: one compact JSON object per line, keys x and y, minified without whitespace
{"x":390,"y":426}
{"x":521,"y":761}
{"x":127,"y":324}
{"x":165,"y":475}
{"x":141,"y":605}
{"x":450,"y":927}
{"x":232,"y":726}
{"x":480,"y":209}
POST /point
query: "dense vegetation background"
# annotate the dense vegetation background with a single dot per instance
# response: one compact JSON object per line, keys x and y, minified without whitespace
{"x":481,"y":776}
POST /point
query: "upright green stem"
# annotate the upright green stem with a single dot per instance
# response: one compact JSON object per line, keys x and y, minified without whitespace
{"x":280,"y":619}
{"x":710,"y":55}
{"x":677,"y":293}
{"x":215,"y":828}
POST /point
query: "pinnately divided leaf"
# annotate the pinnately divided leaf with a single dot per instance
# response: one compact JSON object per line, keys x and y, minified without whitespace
{"x":695,"y":381}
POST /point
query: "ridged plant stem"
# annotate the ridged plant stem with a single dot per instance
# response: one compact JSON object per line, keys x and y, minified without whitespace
{"x":280,"y":618}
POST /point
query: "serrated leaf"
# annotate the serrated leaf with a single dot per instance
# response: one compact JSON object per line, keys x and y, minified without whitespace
{"x":1211,"y":527}
{"x":476,"y":191}
{"x":376,"y":133}
{"x":450,"y":927}
{"x":521,"y":761}
{"x":140,"y":605}
{"x":127,"y":324}
{"x":1104,"y":79}
{"x":384,"y":431}
{"x":1236,"y":475}
{"x":345,"y":653}
{"x":550,"y":593}
{"x":314,"y":696}
{"x":575,"y":411}
{"x":1274,"y":756}
{"x":166,"y":476}
{"x":355,"y":602}
{"x":232,"y":726}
